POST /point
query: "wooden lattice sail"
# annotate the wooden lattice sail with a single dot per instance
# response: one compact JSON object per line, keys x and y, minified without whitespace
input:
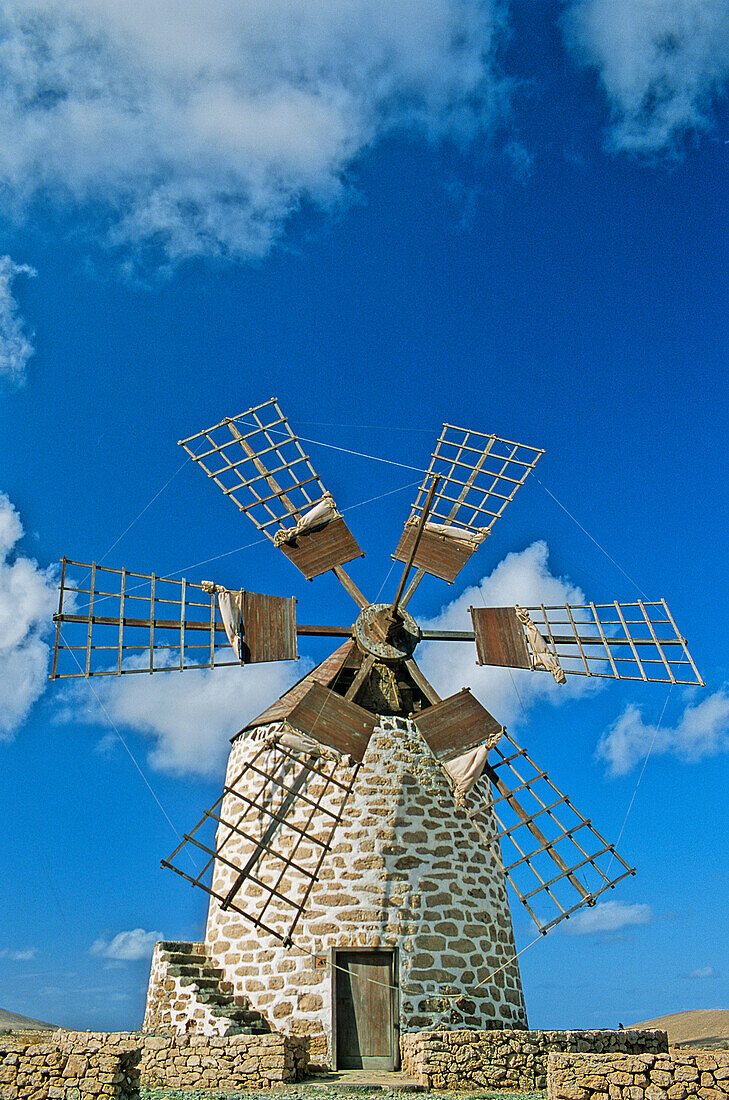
{"x":478,"y":476}
{"x":284,"y":804}
{"x":258,"y":462}
{"x":553,"y":857}
{"x":623,"y":641}
{"x":114,"y":622}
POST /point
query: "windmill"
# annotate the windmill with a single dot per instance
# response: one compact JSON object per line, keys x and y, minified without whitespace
{"x":287,"y":796}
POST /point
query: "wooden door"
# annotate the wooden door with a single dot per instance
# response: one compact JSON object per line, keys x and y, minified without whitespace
{"x":365,"y":1010}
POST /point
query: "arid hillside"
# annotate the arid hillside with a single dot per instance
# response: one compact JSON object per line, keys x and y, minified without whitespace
{"x":706,"y":1029}
{"x":11,"y":1021}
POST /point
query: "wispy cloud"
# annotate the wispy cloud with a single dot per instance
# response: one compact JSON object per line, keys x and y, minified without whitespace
{"x":703,"y":972}
{"x":606,"y":917}
{"x":127,"y":946}
{"x":701,"y":731}
{"x":19,"y":956}
{"x":27,"y":601}
{"x":662,"y":65}
{"x":199,"y":128}
{"x":524,"y":578}
{"x":189,"y":717}
{"x":16,"y":346}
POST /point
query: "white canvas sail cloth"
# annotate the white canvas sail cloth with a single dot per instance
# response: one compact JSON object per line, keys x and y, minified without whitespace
{"x":541,"y":654}
{"x":231,"y":612}
{"x":462,"y":534}
{"x":281,"y":733}
{"x":321,"y":513}
{"x":466,"y":770}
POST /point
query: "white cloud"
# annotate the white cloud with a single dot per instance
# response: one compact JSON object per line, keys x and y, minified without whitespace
{"x":703,"y":972}
{"x":662,"y":64}
{"x":127,"y":946}
{"x":702,"y":730}
{"x":27,"y":602}
{"x":522,"y":578}
{"x":189,"y":716}
{"x":18,"y":956}
{"x":199,"y":128}
{"x":607,"y":916}
{"x":16,"y":347}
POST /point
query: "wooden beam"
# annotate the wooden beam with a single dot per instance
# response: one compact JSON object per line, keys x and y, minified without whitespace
{"x":362,"y":673}
{"x":427,"y":689}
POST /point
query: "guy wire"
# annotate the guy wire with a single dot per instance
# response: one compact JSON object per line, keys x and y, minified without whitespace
{"x":126,"y":746}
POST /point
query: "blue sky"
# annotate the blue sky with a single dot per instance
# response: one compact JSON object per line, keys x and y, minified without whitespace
{"x":507,"y":216}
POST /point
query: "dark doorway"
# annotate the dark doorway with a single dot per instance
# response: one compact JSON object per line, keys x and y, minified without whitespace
{"x":365,"y":1010}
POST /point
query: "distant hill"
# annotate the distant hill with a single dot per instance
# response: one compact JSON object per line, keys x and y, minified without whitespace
{"x":702,"y":1028}
{"x":14,"y":1022}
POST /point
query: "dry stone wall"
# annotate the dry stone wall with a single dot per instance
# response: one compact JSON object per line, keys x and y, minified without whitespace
{"x":408,"y":870}
{"x":675,"y":1076}
{"x":230,"y":1062}
{"x":69,"y":1067}
{"x":82,"y":1065}
{"x":511,"y":1059}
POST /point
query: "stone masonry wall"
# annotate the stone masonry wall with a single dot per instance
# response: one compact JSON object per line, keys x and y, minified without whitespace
{"x":675,"y":1076}
{"x":407,"y":869}
{"x":68,"y":1067}
{"x":81,"y":1065}
{"x":510,"y":1059}
{"x":230,"y":1062}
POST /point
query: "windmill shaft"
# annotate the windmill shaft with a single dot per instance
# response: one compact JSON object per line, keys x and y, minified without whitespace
{"x":305,"y":629}
{"x":413,"y":550}
{"x":559,"y":639}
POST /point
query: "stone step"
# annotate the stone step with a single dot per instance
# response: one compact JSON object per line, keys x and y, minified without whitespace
{"x":188,"y":970}
{"x":201,"y":983}
{"x":175,"y":948}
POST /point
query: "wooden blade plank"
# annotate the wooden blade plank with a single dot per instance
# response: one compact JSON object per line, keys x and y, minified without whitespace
{"x":332,"y":720}
{"x":500,"y":637}
{"x":320,"y":549}
{"x":454,"y":725}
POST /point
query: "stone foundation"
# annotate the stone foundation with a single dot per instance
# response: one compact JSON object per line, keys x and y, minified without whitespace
{"x":675,"y":1076}
{"x":447,"y":1060}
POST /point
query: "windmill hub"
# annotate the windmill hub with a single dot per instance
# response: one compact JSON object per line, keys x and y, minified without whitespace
{"x":376,"y":633}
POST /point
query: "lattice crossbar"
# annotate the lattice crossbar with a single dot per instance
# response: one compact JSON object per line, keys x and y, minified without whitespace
{"x":258,"y":462}
{"x":552,"y":856}
{"x":621,"y":641}
{"x":115,"y":622}
{"x":264,"y":840}
{"x":479,"y":474}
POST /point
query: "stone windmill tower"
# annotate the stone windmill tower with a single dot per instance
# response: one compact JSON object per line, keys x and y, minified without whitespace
{"x":358,"y":856}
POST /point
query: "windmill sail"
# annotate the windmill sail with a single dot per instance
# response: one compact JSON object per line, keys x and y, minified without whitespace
{"x":258,"y":462}
{"x":265,"y":838}
{"x":114,"y":622}
{"x":621,"y":641}
{"x":552,"y":856}
{"x":479,"y":475}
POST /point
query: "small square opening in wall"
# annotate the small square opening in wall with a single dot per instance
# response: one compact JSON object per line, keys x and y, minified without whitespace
{"x":320,"y":962}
